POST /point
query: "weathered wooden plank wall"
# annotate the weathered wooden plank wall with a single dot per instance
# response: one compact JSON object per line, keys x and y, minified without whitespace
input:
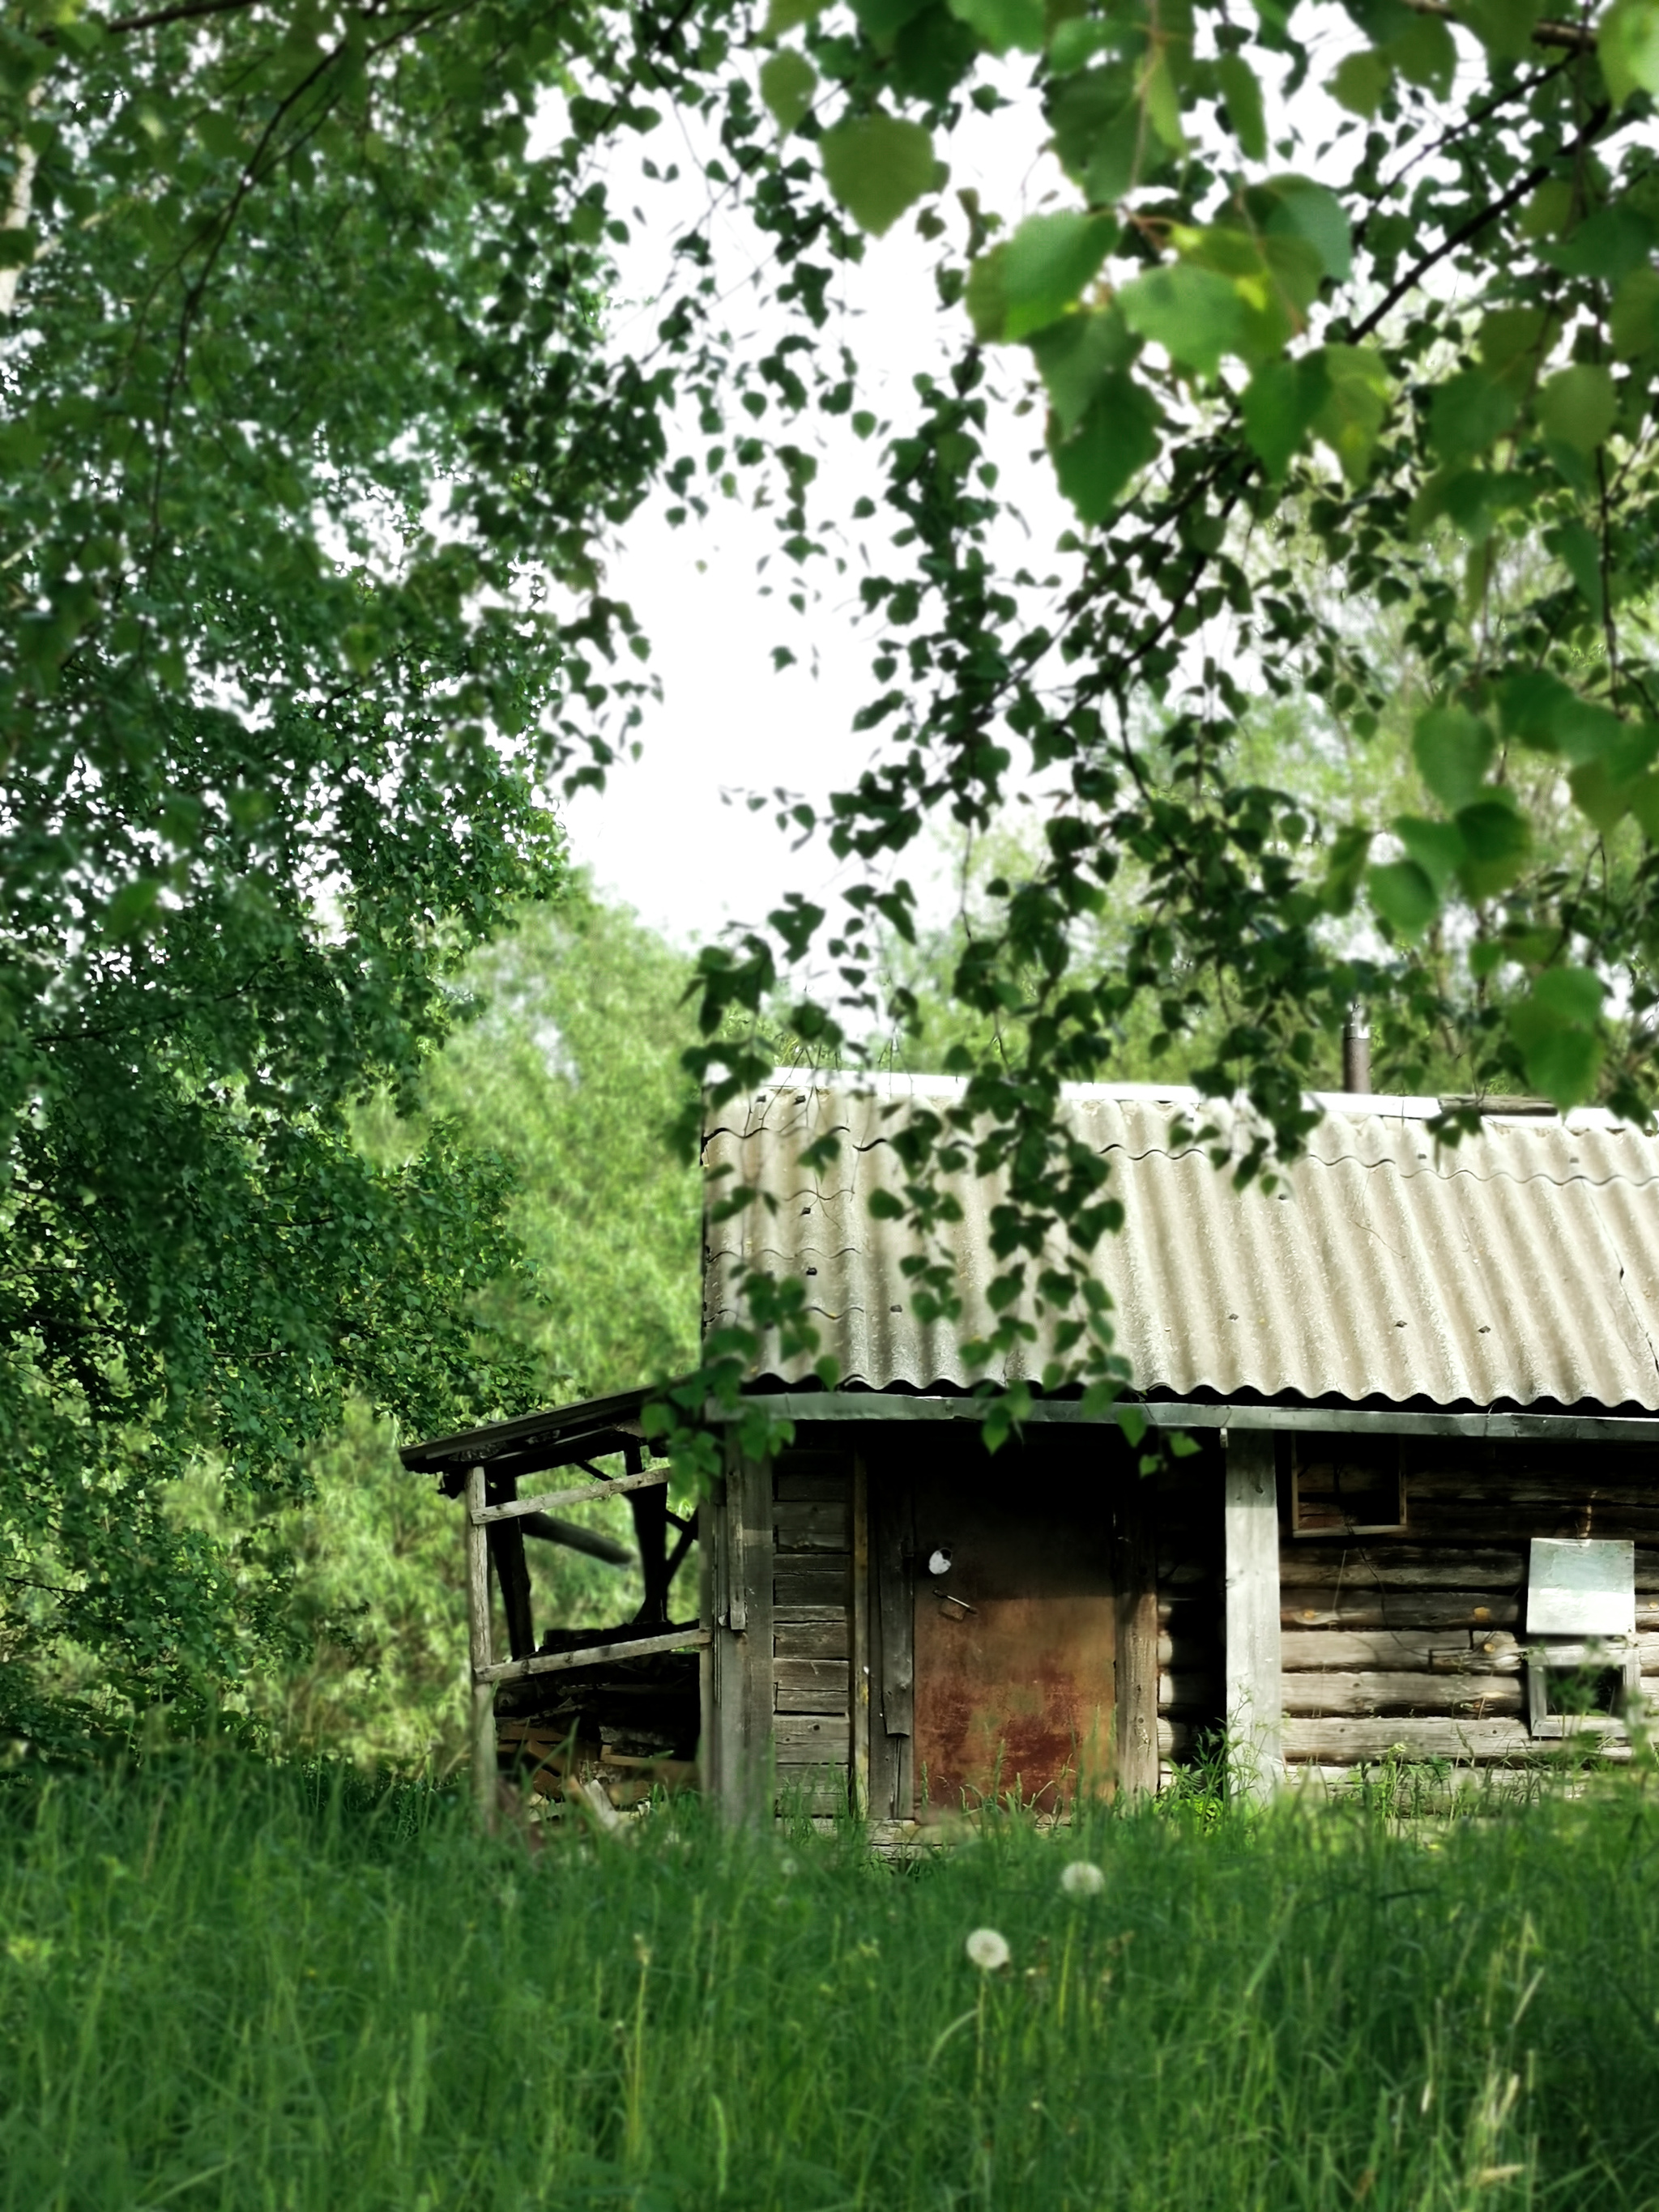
{"x":812,"y":1626}
{"x":1412,"y":1642}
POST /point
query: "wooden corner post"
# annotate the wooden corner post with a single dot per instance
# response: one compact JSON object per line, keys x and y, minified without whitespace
{"x":481,"y":1690}
{"x":737,"y":1756}
{"x":1255,"y":1694}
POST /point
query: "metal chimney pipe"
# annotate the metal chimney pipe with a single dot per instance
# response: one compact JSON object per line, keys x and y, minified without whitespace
{"x":1355,"y":1052}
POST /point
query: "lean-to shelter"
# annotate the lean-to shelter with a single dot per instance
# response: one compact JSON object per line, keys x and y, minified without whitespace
{"x":1419,"y":1517}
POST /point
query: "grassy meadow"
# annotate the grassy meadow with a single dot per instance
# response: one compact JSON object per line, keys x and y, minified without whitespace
{"x":226,"y":1986}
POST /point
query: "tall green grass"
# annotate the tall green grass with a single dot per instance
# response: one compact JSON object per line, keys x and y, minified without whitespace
{"x":221,"y":1987}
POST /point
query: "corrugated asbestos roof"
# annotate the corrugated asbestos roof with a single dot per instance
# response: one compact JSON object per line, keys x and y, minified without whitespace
{"x":1521,"y":1266}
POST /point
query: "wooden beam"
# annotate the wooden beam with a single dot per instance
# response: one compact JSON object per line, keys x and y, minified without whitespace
{"x":648,"y":1503}
{"x":480,"y":1711}
{"x":739,"y":1730}
{"x":550,"y":1498}
{"x":892,"y":1646}
{"x":859,"y":1685}
{"x":1134,"y":1584}
{"x":506,"y":1541}
{"x":592,"y":1654}
{"x":810,"y":1406}
{"x":1254,"y":1716}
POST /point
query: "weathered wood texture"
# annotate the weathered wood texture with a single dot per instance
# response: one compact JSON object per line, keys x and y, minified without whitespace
{"x":1444,"y":1652}
{"x":481,"y":1697}
{"x":1411,"y":1645}
{"x":1339,"y":1742}
{"x":858,"y":1684}
{"x":1251,"y":1521}
{"x":506,"y":1541}
{"x":892,"y":1645}
{"x":1374,"y":1692}
{"x":813,"y":1624}
{"x":736,"y":1754}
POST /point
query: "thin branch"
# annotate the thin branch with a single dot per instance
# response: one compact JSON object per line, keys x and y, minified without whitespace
{"x":1476,"y":222}
{"x":1579,"y":36}
{"x":187,"y":11}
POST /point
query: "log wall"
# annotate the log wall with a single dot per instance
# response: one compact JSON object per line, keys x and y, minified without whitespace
{"x":1412,"y":1642}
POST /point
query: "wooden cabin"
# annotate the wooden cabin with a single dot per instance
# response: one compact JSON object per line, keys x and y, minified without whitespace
{"x":1415,"y":1515}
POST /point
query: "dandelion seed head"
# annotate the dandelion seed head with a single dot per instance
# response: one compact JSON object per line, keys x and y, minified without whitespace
{"x":988,"y":1950}
{"x":1082,"y":1878}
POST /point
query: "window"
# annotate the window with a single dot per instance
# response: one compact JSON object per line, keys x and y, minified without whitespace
{"x":1583,"y":1668}
{"x":1347,"y":1485}
{"x":1585,"y":1689}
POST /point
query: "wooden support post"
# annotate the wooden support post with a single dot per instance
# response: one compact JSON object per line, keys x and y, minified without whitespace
{"x":481,"y":1715}
{"x":1254,"y":1710}
{"x":858,"y":1702}
{"x":892,"y":1648}
{"x":1134,"y":1583}
{"x":740,"y":1737}
{"x":506,"y":1539}
{"x":650,"y":1511}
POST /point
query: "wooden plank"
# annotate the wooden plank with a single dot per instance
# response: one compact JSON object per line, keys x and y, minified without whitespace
{"x":750,"y":1504}
{"x":1341,"y":1742}
{"x":721,"y":1754}
{"x":1485,"y":1696}
{"x":858,"y":1688}
{"x":827,"y":1582}
{"x":812,"y":1739}
{"x":814,"y":1525}
{"x":648,"y":1509}
{"x":803,"y":1477}
{"x":550,"y":1500}
{"x":481,"y":1714}
{"x":793,"y":1638}
{"x":1475,"y":1527}
{"x":1445,"y":1651}
{"x":1301,"y":1607}
{"x":806,"y":1408}
{"x":1135,"y":1678}
{"x":688,"y":1639}
{"x":506,"y":1555}
{"x":1485,"y":1489}
{"x":815,"y":1791}
{"x":811,"y":1686}
{"x":1361,"y":1563}
{"x":709,"y":1515}
{"x":893,"y":1649}
{"x":1250,"y":1534}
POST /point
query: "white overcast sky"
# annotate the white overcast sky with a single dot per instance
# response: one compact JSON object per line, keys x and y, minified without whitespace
{"x":670,"y":835}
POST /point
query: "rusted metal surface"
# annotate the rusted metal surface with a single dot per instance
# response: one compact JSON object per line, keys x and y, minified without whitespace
{"x":1014,"y":1645}
{"x":1519,"y":1268}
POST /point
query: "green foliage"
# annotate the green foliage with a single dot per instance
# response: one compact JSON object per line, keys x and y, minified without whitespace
{"x":277,"y":745}
{"x":877,"y":167}
{"x":1430,"y":369}
{"x":571,"y":1076}
{"x":218,"y":1984}
{"x":574,"y":1074}
{"x":276,"y":748}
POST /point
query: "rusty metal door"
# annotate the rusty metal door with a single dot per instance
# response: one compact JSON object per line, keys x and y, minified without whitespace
{"x":1014,"y":1627}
